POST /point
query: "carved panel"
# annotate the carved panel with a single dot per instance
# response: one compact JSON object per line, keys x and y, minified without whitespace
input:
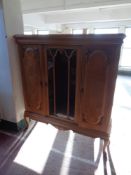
{"x":32,"y":78}
{"x":93,"y":93}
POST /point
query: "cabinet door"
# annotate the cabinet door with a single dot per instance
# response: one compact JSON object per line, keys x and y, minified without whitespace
{"x":33,"y":79}
{"x":94,"y":90}
{"x":61,"y":66}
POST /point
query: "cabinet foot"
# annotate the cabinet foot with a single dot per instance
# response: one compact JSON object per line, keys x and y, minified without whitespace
{"x":26,"y":123}
{"x":106,"y":143}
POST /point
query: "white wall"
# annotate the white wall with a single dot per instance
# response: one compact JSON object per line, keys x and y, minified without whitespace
{"x":6,"y":89}
{"x":10,"y":80}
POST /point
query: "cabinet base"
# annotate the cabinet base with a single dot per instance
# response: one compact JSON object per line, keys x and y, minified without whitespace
{"x":66,"y":125}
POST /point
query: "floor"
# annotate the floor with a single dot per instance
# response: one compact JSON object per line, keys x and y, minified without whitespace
{"x":44,"y":150}
{"x":48,"y":151}
{"x":120,"y":146}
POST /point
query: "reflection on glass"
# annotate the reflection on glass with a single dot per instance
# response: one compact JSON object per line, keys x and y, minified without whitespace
{"x":50,"y":83}
{"x":72,"y":84}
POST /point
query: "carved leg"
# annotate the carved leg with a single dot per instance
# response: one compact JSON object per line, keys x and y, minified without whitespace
{"x":106,"y":143}
{"x":27,"y":120}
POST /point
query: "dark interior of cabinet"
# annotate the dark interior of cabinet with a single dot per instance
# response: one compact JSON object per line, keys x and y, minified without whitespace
{"x":61,"y":81}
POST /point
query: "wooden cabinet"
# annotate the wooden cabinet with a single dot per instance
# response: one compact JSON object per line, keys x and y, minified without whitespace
{"x":69,"y":80}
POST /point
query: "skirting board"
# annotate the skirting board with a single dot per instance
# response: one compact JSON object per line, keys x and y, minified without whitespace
{"x":11,"y":126}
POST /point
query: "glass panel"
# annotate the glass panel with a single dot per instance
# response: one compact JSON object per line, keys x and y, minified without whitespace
{"x":50,"y":83}
{"x":77,"y":31}
{"x":127,"y":40}
{"x":106,"y":31}
{"x":61,"y":81}
{"x":126,"y":58}
{"x":126,"y":52}
{"x":43,"y":32}
{"x":87,"y":31}
{"x":72,"y":84}
{"x":28,"y":32}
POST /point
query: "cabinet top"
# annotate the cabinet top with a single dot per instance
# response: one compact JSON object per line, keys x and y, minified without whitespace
{"x":70,"y":39}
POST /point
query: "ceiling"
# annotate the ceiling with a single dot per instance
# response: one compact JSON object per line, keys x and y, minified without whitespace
{"x":50,"y":12}
{"x":33,"y":6}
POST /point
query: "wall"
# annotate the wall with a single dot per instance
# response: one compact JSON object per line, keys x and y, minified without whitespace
{"x":10,"y":79}
{"x":6,"y":89}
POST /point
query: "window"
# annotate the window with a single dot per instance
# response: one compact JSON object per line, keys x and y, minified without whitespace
{"x":106,"y":31}
{"x":77,"y":31}
{"x":42,"y":32}
{"x":87,"y":31}
{"x":126,"y":52}
{"x":28,"y":32}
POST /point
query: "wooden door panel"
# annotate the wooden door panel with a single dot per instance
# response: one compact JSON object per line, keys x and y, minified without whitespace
{"x":94,"y":86}
{"x":32,"y":77}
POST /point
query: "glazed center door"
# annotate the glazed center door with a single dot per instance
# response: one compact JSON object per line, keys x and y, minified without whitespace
{"x":61,"y":67}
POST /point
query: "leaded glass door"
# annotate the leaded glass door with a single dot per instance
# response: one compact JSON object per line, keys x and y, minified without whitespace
{"x":61,"y":67}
